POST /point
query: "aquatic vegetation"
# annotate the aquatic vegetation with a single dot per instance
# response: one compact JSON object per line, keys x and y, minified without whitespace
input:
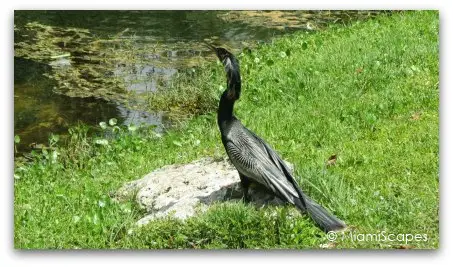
{"x":80,"y":64}
{"x":115,"y":69}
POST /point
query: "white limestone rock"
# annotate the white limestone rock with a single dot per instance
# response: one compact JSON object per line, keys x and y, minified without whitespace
{"x":183,"y":190}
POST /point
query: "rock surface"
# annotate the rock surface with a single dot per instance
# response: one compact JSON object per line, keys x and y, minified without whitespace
{"x":183,"y":190}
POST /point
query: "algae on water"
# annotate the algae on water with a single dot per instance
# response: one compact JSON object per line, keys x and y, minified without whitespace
{"x":81,"y":65}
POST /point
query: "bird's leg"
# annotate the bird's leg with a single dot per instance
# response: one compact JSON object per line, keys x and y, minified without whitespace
{"x":245,"y":182}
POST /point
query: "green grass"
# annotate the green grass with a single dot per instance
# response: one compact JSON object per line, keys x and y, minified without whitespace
{"x":368,"y":93}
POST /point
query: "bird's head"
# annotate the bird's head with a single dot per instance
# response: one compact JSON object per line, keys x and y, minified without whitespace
{"x":225,"y":56}
{"x":231,"y":66}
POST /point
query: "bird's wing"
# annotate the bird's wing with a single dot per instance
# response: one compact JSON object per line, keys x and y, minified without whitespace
{"x":281,"y":165}
{"x":278,"y":162}
{"x":253,"y":158}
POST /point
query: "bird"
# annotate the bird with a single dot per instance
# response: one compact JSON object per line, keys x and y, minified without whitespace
{"x":254,"y":159}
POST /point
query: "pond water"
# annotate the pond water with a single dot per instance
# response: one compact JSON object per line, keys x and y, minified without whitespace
{"x":87,"y":66}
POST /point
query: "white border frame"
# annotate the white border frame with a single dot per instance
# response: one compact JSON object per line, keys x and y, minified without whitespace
{"x":350,"y":258}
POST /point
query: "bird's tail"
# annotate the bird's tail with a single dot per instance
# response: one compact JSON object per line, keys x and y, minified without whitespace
{"x":326,"y":221}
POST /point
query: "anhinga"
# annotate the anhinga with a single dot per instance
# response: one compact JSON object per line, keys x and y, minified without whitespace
{"x":254,"y":159}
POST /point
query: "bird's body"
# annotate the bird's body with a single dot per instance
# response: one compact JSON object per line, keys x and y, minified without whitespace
{"x":254,"y":159}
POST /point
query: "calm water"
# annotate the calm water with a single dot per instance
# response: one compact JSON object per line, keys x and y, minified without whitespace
{"x":75,"y":66}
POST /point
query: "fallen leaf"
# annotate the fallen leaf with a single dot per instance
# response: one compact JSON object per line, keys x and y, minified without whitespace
{"x":332,"y":160}
{"x":416,"y":116}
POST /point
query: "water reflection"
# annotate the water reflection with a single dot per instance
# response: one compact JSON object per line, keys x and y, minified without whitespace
{"x":144,"y":78}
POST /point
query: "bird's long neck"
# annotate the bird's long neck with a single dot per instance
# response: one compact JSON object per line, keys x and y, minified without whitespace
{"x":233,"y":91}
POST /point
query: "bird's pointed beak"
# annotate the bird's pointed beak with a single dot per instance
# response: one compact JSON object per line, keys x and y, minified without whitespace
{"x":211,"y":47}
